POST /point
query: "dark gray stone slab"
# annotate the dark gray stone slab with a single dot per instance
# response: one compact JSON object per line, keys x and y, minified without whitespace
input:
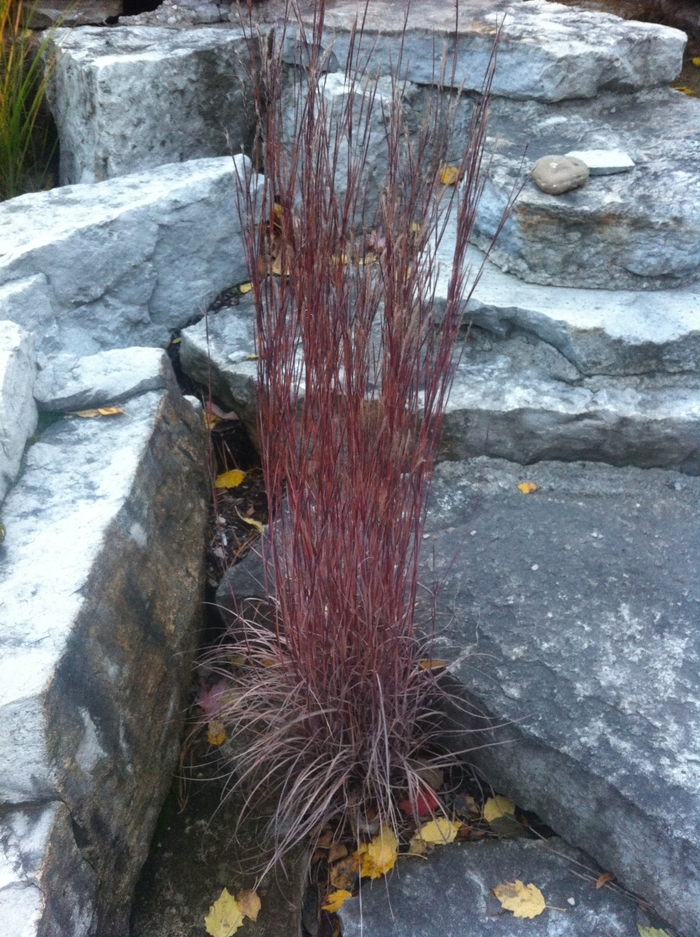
{"x":449,"y":895}
{"x":574,"y":616}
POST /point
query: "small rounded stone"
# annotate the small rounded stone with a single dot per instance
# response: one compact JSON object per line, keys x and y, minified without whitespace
{"x":557,"y":174}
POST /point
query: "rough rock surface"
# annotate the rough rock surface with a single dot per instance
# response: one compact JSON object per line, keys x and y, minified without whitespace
{"x":548,"y":52}
{"x":621,"y":332}
{"x":192,"y":88}
{"x":67,"y":382}
{"x":100,"y":592}
{"x":572,"y":616}
{"x":66,"y":13}
{"x":18,"y":416}
{"x":183,"y":14}
{"x":178,"y":237}
{"x":633,"y":231}
{"x":46,"y":885}
{"x":450,"y":894}
{"x":218,"y":349}
{"x":520,"y":399}
{"x":558,"y":174}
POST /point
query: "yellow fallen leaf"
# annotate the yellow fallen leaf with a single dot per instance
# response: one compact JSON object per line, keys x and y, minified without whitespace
{"x":432,"y":664}
{"x":230,"y":479}
{"x":603,"y":880}
{"x":176,"y":341}
{"x":653,"y":931}
{"x":210,"y":419}
{"x":224,"y":916}
{"x":336,"y":899}
{"x":100,"y":411}
{"x":684,"y":90}
{"x":237,"y":660}
{"x":496,"y":807}
{"x":527,"y":488}
{"x":216,"y":732}
{"x":252,"y":522}
{"x":249,"y":903}
{"x":523,"y":900}
{"x":449,"y":175}
{"x":377,"y":857}
{"x":434,"y":832}
{"x":245,"y":288}
{"x":251,"y":357}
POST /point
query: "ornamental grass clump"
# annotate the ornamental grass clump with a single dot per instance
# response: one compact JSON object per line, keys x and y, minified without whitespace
{"x":26,"y":145}
{"x":329,"y":702}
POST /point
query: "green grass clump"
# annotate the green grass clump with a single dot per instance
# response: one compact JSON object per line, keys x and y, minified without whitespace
{"x":26,"y":144}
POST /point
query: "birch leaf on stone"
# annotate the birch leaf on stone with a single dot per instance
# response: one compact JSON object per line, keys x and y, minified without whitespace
{"x":652,"y":931}
{"x":336,"y":899}
{"x":379,"y":856}
{"x":524,"y":901}
{"x":496,"y":807}
{"x":225,"y":917}
{"x":249,"y":903}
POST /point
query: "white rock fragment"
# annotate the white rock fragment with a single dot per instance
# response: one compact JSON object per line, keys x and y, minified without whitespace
{"x":603,"y":162}
{"x":18,"y":414}
{"x":67,"y":382}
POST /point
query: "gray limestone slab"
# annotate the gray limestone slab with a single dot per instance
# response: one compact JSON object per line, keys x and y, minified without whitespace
{"x":636,"y":230}
{"x":450,"y":895}
{"x":571,"y":615}
{"x":123,"y":262}
{"x":193,"y":87}
{"x":519,"y":399}
{"x":18,"y":414}
{"x":67,"y":382}
{"x":101,"y":580}
{"x":547,"y":52}
{"x":612,"y":332}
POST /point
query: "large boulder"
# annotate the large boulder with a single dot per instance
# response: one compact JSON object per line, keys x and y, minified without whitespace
{"x":124,"y":262}
{"x":547,"y":52}
{"x":571,"y":614}
{"x":637,"y":230}
{"x":451,"y":894}
{"x":18,"y":414}
{"x":100,"y":597}
{"x":193,"y":88}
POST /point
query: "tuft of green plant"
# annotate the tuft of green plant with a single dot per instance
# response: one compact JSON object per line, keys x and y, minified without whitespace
{"x":26,"y":144}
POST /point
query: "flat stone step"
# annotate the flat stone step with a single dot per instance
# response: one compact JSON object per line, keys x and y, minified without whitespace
{"x":548,"y":52}
{"x":572,"y":617}
{"x":100,"y":591}
{"x":520,"y":399}
{"x":451,"y":894}
{"x":120,"y":263}
{"x":634,"y":230}
{"x":612,"y":332}
{"x":517,"y":398}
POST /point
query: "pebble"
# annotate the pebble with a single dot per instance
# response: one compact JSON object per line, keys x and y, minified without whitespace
{"x":558,"y":174}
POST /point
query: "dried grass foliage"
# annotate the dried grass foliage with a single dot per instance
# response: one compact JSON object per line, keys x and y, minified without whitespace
{"x":332,"y":710}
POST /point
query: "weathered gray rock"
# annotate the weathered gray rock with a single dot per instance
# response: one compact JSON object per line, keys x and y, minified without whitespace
{"x":46,"y":885}
{"x":548,"y":52}
{"x":18,"y":416}
{"x":123,"y":262}
{"x":521,"y":400}
{"x":67,"y":382}
{"x":65,"y":13}
{"x":579,"y":606}
{"x":450,"y":894}
{"x":633,"y":231}
{"x":100,"y":593}
{"x":183,"y":14}
{"x":558,"y":174}
{"x":616,"y":332}
{"x":603,"y":162}
{"x":219,"y":352}
{"x":192,"y":88}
